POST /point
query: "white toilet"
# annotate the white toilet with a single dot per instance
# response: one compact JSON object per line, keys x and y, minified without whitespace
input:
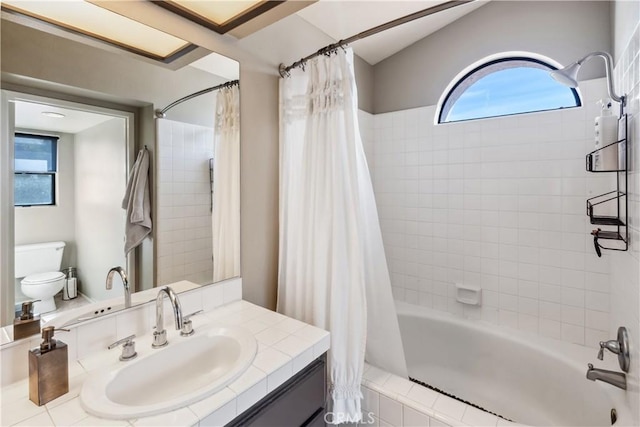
{"x":39,"y":264}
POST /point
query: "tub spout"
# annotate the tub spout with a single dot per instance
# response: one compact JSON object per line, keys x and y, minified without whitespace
{"x":617,"y":379}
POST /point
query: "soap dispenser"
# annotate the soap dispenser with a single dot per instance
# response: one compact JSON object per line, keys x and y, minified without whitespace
{"x":48,"y":369}
{"x":26,"y":324}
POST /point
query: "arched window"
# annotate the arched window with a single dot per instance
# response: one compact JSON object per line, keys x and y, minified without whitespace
{"x":505,"y":86}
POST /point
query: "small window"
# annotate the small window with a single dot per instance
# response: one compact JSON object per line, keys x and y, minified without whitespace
{"x":506,"y":86}
{"x":35,"y":170}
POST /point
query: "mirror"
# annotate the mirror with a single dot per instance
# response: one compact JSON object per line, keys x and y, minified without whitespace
{"x":71,"y":168}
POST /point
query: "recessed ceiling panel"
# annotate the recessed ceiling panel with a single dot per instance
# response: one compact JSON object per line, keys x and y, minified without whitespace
{"x":218,"y":12}
{"x":93,"y":21}
{"x":220,"y":16}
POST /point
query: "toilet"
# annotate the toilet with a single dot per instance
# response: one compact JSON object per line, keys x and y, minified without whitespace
{"x":39,"y":266}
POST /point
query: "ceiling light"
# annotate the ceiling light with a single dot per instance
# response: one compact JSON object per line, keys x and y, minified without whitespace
{"x":220,"y":16}
{"x":87,"y":19}
{"x":53,"y":114}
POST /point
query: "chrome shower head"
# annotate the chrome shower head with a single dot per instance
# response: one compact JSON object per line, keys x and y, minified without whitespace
{"x":568,"y":75}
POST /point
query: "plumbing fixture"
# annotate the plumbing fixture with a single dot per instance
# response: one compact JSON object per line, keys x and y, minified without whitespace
{"x":618,"y":379}
{"x":187,"y":324}
{"x":619,"y":346}
{"x":125,"y":283}
{"x":128,"y":348}
{"x":160,"y":334}
{"x":568,"y":75}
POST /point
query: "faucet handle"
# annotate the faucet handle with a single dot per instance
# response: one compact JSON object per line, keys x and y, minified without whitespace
{"x":187,"y":324}
{"x":128,"y":348}
{"x":600,"y":352}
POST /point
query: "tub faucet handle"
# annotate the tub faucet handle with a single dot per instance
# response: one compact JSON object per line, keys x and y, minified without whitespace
{"x":612,"y":345}
{"x":619,"y":346}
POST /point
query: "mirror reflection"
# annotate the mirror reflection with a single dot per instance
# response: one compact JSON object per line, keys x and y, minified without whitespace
{"x":68,"y":219}
{"x":100,"y":181}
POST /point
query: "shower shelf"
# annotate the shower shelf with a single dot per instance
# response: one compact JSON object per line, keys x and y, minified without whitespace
{"x":613,"y":201}
{"x":601,"y":200}
{"x":591,"y":157}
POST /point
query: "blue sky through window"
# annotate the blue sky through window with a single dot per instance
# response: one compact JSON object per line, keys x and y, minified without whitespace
{"x":511,"y":91}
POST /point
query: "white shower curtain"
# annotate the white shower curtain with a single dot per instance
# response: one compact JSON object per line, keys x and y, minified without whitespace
{"x":332,"y":266}
{"x":225,"y":215}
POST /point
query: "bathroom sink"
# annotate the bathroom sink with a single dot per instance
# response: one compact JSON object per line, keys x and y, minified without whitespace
{"x":187,"y":370}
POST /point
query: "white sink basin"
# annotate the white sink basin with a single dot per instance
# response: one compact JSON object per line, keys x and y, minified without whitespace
{"x":187,"y":370}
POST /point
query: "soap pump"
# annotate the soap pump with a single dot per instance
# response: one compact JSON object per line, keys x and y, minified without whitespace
{"x":26,"y":324}
{"x":48,"y":368}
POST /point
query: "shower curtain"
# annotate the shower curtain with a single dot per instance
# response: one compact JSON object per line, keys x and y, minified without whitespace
{"x":225,"y":214}
{"x":332,"y":266}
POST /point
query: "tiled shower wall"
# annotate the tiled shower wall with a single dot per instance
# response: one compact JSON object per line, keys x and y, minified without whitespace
{"x":497,"y":203}
{"x":184,"y":233}
{"x":625,"y":267}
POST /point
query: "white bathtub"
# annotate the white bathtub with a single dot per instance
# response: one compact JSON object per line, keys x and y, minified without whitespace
{"x":528,"y":379}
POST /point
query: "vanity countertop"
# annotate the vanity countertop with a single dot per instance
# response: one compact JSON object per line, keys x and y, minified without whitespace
{"x":285,"y":346}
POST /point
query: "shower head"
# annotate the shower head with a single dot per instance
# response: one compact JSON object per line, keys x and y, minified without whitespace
{"x":568,"y":75}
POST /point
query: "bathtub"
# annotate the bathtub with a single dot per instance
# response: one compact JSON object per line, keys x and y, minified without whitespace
{"x":525,"y":378}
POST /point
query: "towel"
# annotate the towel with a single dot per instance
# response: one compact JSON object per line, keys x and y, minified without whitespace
{"x":136,"y":202}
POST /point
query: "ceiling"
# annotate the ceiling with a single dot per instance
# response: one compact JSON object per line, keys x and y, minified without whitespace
{"x":218,"y":65}
{"x":328,"y":21}
{"x":29,"y":116}
{"x":342,"y":19}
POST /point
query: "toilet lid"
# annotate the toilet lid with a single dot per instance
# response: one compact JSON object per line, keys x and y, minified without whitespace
{"x":36,"y":279}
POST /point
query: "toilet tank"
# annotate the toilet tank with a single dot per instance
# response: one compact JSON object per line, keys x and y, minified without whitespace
{"x":38,"y":258}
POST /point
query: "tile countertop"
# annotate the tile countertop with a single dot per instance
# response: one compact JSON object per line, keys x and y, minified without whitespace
{"x":285,"y":346}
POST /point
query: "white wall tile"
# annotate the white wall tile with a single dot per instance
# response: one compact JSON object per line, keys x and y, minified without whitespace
{"x":497,"y":203}
{"x":412,"y":418}
{"x":390,"y":411}
{"x":183,"y":219}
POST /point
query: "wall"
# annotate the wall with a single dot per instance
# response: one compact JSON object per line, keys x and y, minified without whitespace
{"x":100,"y":183}
{"x":562,"y":30}
{"x":184,"y":244}
{"x":625,"y":267}
{"x":364,"y":81}
{"x":51,"y":223}
{"x":496,"y":203}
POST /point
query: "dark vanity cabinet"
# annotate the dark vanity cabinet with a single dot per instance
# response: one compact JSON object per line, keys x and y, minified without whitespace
{"x":300,"y":402}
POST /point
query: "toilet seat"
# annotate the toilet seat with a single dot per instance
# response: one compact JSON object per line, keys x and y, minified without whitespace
{"x":42,"y":278}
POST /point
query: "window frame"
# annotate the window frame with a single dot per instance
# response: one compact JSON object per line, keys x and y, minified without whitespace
{"x":53,"y":174}
{"x":452,"y":91}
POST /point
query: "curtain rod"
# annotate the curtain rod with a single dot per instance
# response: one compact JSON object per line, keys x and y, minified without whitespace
{"x":160,"y":114}
{"x":284,"y":71}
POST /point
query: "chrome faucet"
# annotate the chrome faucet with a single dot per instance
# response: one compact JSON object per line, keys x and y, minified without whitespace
{"x":619,"y":346}
{"x":618,"y":379}
{"x":125,"y":282}
{"x":160,"y":334}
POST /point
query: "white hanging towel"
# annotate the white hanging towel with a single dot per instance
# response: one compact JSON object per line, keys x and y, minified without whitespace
{"x":137,"y":203}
